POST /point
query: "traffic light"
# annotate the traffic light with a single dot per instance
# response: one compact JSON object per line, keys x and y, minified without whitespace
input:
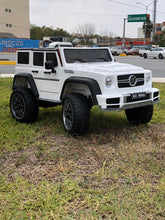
{"x":148,"y":17}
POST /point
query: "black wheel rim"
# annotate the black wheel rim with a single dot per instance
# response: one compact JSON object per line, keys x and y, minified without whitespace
{"x":68,"y":115}
{"x":18,"y":106}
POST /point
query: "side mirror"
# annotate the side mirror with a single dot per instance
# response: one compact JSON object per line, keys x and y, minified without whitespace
{"x":50,"y":65}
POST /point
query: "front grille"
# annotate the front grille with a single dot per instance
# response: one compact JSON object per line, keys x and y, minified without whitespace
{"x":125,"y":80}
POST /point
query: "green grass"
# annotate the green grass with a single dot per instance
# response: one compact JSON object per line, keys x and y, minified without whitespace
{"x":116,"y":171}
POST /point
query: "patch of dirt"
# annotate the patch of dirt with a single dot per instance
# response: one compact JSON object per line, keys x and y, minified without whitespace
{"x":84,"y":158}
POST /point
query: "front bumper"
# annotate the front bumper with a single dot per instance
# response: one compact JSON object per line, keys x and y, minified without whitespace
{"x":128,"y":100}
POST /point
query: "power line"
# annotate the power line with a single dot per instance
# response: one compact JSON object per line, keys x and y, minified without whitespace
{"x":121,"y":3}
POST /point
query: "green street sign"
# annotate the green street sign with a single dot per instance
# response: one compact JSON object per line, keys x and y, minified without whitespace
{"x":137,"y":18}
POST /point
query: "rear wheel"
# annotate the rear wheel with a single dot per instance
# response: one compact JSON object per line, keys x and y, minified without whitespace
{"x":141,"y":115}
{"x":76,"y":114}
{"x":23,"y":105}
{"x":160,"y":56}
{"x":145,"y":55}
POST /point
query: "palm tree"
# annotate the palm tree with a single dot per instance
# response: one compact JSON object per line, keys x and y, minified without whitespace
{"x":149,"y":28}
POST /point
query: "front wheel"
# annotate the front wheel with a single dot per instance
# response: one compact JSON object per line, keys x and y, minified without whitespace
{"x":76,"y":114}
{"x":141,"y":115}
{"x":23,"y":105}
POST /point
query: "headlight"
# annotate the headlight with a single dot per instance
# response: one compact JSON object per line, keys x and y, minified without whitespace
{"x":148,"y":77}
{"x":108,"y":82}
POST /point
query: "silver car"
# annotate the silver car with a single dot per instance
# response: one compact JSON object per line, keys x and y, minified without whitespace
{"x":157,"y":53}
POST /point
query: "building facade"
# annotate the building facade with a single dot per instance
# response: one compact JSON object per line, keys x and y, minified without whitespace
{"x":14,"y":18}
{"x":160,"y":27}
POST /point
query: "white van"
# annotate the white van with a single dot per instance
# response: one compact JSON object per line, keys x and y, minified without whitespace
{"x":59,"y":44}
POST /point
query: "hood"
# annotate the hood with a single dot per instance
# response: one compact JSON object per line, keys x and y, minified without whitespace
{"x":106,"y":68}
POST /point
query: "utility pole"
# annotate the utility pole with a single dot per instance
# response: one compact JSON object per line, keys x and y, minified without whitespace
{"x":145,"y":23}
{"x":154,"y":17}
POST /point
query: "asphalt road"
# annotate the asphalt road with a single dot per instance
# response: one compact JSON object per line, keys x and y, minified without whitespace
{"x":157,"y":66}
{"x":8,"y":56}
{"x":7,"y":68}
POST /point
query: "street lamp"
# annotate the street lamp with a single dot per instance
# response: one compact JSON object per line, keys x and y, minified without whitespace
{"x":146,"y":6}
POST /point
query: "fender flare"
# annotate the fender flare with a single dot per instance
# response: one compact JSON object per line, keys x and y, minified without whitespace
{"x":29,"y":79}
{"x":91,"y":83}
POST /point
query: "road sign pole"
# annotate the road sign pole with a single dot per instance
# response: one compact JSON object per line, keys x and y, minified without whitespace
{"x":123,"y":44}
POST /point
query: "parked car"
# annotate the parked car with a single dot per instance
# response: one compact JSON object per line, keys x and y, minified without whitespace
{"x":116,"y":51}
{"x":113,"y":50}
{"x":157,"y":53}
{"x":144,"y":52}
{"x":132,"y":51}
{"x":59,"y":44}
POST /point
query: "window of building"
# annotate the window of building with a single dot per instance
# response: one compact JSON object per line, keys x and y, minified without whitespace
{"x":52,"y":57}
{"x":38,"y":59}
{"x":7,"y":10}
{"x":23,"y":57}
{"x":9,"y":25}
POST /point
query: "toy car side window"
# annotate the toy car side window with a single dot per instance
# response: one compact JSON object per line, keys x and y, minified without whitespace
{"x":38,"y":59}
{"x":23,"y":58}
{"x":52,"y":57}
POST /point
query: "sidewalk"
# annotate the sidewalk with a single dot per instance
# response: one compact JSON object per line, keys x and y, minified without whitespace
{"x":5,"y":75}
{"x":154,"y":79}
{"x":158,"y":79}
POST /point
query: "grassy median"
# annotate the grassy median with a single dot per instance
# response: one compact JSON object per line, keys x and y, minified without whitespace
{"x":116,"y":171}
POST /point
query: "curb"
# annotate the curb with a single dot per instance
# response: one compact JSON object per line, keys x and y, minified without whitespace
{"x":158,"y":79}
{"x":7,"y":62}
{"x":6,"y":75}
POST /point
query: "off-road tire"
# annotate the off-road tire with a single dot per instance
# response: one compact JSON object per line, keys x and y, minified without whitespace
{"x":23,"y":106}
{"x":76,"y":114}
{"x":141,"y":115}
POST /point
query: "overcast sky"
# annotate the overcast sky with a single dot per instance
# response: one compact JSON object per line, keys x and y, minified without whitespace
{"x":106,"y":15}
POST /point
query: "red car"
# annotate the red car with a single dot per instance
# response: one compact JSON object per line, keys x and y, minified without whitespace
{"x":133,"y":51}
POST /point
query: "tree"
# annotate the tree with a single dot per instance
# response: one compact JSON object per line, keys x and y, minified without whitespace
{"x":159,"y":39}
{"x":149,"y":28}
{"x":37,"y":33}
{"x":85,"y":31}
{"x":60,"y":32}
